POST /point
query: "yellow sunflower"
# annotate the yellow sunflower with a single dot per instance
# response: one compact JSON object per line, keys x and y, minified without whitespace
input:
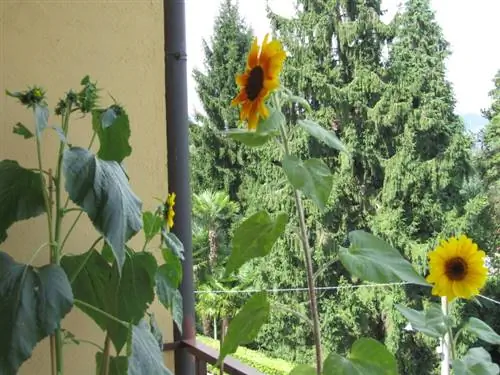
{"x":170,"y":213}
{"x":260,"y":78}
{"x":457,"y":269}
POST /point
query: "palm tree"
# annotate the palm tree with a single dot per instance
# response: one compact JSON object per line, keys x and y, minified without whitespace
{"x":210,"y":210}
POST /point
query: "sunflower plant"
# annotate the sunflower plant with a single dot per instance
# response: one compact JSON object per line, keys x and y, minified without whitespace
{"x":109,"y":281}
{"x":457,"y":268}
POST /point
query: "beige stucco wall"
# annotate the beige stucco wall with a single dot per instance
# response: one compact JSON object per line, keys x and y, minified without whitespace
{"x":54,"y":44}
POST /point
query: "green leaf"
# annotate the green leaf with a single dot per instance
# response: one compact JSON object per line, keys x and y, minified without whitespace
{"x":300,"y":100}
{"x":255,"y":238}
{"x":168,"y":278}
{"x":117,"y":365}
{"x":246,"y":324}
{"x":303,"y":370}
{"x":483,"y":331}
{"x":113,"y":129}
{"x":60,"y":134}
{"x":147,"y":356}
{"x":476,"y":361}
{"x":271,"y":125}
{"x":34,"y":301}
{"x":248,"y":137}
{"x":174,"y":244}
{"x":312,"y":177}
{"x":431,"y":322}
{"x":151,"y":224}
{"x":173,"y":267}
{"x":372,"y":259}
{"x":21,"y":195}
{"x":102,"y":190}
{"x":22,"y":130}
{"x":41,"y":118}
{"x":266,"y":130}
{"x":99,"y":284}
{"x":367,"y":356}
{"x":323,"y":135}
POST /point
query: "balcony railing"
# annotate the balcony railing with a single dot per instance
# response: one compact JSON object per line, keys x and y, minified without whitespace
{"x":204,"y":355}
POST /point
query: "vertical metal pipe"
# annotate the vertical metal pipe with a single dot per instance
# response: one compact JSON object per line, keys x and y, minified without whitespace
{"x":178,"y":164}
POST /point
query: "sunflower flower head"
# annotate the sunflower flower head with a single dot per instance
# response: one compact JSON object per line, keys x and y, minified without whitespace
{"x":260,"y":78}
{"x":457,"y":268}
{"x":169,"y":210}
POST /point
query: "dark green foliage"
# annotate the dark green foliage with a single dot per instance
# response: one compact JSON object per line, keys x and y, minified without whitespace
{"x":34,"y":300}
{"x":21,"y":195}
{"x":216,"y":160}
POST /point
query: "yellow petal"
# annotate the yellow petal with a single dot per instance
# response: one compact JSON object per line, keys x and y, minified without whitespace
{"x":242,"y":79}
{"x":253,"y":55}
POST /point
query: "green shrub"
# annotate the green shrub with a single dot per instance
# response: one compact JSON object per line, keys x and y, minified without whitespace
{"x":255,"y":359}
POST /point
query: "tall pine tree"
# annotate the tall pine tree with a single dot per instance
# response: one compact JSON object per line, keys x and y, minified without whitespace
{"x":216,"y":160}
{"x":334,"y":62}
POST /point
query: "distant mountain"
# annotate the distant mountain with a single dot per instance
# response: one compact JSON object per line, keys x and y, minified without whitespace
{"x":474,"y":122}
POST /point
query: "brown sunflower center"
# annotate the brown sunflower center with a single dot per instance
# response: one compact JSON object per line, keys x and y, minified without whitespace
{"x":456,"y":269}
{"x":255,"y":82}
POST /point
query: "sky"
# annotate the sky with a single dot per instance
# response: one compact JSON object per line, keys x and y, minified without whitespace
{"x":471,"y":30}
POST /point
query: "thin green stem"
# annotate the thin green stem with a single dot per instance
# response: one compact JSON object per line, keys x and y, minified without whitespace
{"x":90,"y":343}
{"x":81,"y":304}
{"x":46,"y":200}
{"x":105,"y":360}
{"x":82,"y":264}
{"x":70,"y":230}
{"x":57,"y":231}
{"x":457,"y":335}
{"x":313,"y":304}
{"x":36,"y":252}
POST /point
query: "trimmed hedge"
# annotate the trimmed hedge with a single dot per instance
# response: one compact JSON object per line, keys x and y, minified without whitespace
{"x":255,"y":359}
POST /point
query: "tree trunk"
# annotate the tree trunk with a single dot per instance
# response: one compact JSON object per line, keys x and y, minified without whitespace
{"x":206,"y":325}
{"x":225,"y":324}
{"x":212,"y":240}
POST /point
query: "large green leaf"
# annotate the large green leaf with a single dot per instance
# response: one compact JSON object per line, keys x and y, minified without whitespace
{"x":101,"y":188}
{"x":151,"y":225}
{"x":117,"y":365}
{"x":477,"y":361}
{"x":146,"y":356}
{"x":21,"y":195}
{"x":367,"y":356}
{"x":312,"y":177}
{"x":266,"y":130}
{"x":483,"y":331}
{"x":113,"y":129}
{"x":323,"y":135}
{"x":254,"y":238}
{"x":33,"y":302}
{"x":168,"y":279}
{"x":431,"y":322}
{"x":372,"y":259}
{"x":99,"y":284}
{"x":246,"y":324}
{"x":303,"y":370}
{"x":173,"y":243}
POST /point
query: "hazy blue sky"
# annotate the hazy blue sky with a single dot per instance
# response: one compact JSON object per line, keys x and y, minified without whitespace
{"x":471,"y":29}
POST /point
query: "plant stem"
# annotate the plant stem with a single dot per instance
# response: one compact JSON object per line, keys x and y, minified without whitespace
{"x":310,"y":282}
{"x":446,"y":341}
{"x":308,"y":261}
{"x":70,"y":230}
{"x":105,"y":359}
{"x":57,"y":232}
{"x":81,"y":303}
{"x":48,"y":209}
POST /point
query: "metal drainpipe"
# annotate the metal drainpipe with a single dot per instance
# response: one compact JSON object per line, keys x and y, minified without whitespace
{"x":178,"y":164}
